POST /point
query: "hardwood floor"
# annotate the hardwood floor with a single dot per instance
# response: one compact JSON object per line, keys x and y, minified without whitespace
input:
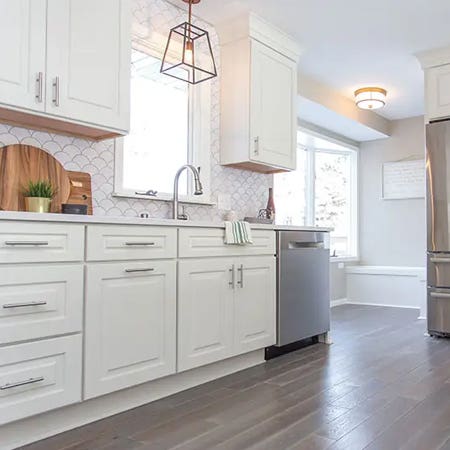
{"x":382,"y":385}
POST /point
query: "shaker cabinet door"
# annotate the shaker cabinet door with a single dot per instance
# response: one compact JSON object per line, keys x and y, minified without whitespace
{"x":255,"y":303}
{"x":438,"y":92}
{"x":273,"y":109}
{"x":22,"y":52}
{"x":130,"y":331}
{"x":88,"y":61}
{"x":205,"y":311}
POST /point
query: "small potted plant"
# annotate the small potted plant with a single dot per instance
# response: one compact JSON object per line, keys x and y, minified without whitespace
{"x":38,"y":196}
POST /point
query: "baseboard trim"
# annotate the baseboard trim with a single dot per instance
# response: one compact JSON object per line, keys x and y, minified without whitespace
{"x":26,"y":431}
{"x":385,"y":305}
{"x":338,"y":302}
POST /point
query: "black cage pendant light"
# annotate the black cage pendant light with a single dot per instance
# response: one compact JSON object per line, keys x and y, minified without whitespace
{"x":188,"y":55}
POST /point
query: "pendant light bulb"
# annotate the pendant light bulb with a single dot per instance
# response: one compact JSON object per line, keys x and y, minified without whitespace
{"x":189,"y":53}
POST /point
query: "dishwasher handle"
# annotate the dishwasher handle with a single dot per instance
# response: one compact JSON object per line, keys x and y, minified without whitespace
{"x":297,"y":245}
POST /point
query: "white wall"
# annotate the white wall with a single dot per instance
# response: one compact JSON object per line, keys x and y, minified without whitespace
{"x":392,"y":232}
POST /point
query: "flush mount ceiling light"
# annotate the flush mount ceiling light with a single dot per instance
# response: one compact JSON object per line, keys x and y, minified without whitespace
{"x":188,"y":55}
{"x":370,"y":98}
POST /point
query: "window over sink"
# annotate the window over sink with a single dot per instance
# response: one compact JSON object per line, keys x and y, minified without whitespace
{"x":169,"y":127}
{"x":322,"y":191}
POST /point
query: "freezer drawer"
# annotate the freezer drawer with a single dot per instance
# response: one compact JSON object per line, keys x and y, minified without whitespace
{"x":438,"y":311}
{"x":438,"y":269}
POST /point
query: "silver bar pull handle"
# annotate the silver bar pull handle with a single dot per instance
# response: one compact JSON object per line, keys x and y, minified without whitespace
{"x":139,"y":244}
{"x":24,"y":305}
{"x":440,"y":260}
{"x":39,"y":86}
{"x":139,"y":270}
{"x":21,"y":383}
{"x":256,"y":143}
{"x":439,"y":295}
{"x":56,"y":91}
{"x":232,"y":282}
{"x":26,"y":243}
{"x":241,"y":279}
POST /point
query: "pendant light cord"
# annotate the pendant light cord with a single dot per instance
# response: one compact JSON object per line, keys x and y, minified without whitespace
{"x":190,"y":19}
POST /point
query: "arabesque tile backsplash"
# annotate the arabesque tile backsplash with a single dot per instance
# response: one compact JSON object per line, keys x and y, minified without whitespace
{"x":248,"y":190}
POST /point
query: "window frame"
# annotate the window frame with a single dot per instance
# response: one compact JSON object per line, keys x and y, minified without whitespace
{"x":199,"y":139}
{"x":353,"y":188}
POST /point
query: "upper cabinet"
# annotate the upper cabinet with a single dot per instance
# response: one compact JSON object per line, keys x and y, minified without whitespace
{"x":22,"y":50}
{"x":436,"y":64}
{"x":259,"y":91}
{"x":67,"y":65}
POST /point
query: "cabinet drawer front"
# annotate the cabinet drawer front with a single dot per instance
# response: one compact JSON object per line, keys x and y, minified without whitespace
{"x":130,"y":324}
{"x":22,"y":242}
{"x":40,"y":301}
{"x":109,"y":243}
{"x":39,"y":376}
{"x":205,"y":242}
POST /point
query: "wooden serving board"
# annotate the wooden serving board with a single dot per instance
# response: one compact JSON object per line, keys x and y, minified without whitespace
{"x":20,"y":164}
{"x":80,"y":189}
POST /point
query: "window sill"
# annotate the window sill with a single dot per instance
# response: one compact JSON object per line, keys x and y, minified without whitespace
{"x":338,"y":259}
{"x":203,"y":200}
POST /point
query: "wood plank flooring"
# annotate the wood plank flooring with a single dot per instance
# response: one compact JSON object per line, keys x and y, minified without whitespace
{"x":382,"y":385}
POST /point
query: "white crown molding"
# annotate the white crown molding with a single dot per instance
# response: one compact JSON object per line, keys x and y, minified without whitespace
{"x":253,"y":26}
{"x":434,"y":58}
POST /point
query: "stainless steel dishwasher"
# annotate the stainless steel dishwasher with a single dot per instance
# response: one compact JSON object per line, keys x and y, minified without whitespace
{"x":303,"y":285}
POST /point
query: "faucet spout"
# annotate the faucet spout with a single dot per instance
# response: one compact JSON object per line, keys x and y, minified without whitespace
{"x":198,"y":188}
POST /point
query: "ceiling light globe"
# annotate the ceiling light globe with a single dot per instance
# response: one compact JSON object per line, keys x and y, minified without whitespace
{"x":370,"y":98}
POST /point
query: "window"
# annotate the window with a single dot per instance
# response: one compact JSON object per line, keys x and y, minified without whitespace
{"x":322,"y":191}
{"x":169,"y":127}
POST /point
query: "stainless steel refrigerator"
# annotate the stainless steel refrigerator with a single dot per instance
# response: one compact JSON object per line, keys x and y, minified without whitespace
{"x":438,"y":226}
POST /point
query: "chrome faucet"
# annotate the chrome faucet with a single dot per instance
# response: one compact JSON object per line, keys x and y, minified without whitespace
{"x":197,"y":185}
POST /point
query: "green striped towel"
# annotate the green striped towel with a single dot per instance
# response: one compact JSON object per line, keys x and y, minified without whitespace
{"x":238,"y":233}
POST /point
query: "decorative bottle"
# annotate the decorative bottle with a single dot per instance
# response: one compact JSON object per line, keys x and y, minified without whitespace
{"x":270,"y":206}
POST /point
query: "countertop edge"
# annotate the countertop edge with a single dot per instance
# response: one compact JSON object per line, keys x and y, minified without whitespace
{"x":107,"y":220}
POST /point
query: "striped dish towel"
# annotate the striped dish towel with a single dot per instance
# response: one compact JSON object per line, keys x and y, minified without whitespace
{"x":238,"y":233}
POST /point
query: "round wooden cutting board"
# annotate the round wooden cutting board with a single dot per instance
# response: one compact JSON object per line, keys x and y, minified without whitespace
{"x":20,"y":164}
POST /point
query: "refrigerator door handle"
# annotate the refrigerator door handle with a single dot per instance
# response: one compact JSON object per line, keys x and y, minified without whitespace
{"x":440,"y":260}
{"x":439,"y":295}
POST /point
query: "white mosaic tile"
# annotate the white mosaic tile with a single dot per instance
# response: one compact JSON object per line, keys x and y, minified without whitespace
{"x":248,"y":190}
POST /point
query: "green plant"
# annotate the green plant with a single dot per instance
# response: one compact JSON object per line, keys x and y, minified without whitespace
{"x":40,"y":188}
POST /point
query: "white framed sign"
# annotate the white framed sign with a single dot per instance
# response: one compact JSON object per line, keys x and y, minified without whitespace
{"x":403,"y":180}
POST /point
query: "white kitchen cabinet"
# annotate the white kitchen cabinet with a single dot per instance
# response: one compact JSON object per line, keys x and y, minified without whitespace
{"x":205,"y":311}
{"x":38,"y":301}
{"x":254,"y":303}
{"x":208,"y":242}
{"x":437,"y":82}
{"x":226,"y":308}
{"x":130,"y":329}
{"x":22,"y":242}
{"x":273,"y":118}
{"x":39,"y":376}
{"x":22,"y":52}
{"x":259,"y":91}
{"x":66,"y":65}
{"x":88,"y":61}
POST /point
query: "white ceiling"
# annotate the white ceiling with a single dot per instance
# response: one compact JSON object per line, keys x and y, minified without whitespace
{"x":352,"y":43}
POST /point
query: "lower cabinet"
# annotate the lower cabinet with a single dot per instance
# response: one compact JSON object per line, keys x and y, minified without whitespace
{"x":226,"y":307}
{"x":205,"y":311}
{"x":39,"y":376}
{"x":130,"y":330}
{"x":254,"y":304}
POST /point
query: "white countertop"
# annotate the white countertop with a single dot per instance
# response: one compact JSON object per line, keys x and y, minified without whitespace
{"x":300,"y":228}
{"x":82,"y":219}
